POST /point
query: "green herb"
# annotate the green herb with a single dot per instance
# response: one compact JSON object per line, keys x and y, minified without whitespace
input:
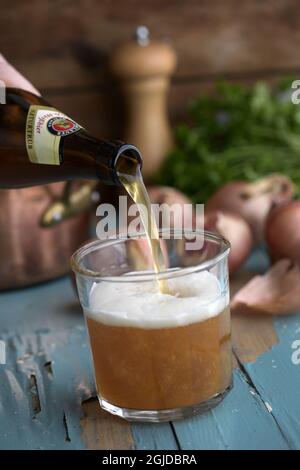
{"x":237,"y":134}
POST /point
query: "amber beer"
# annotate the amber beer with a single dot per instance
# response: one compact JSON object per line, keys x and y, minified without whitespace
{"x":153,"y":367}
{"x":158,"y":354}
{"x":161,"y":368}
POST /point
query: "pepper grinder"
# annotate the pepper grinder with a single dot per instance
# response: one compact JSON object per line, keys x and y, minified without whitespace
{"x":143,"y":68}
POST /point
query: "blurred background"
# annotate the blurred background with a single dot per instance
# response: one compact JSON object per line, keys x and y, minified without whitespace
{"x":63,"y":47}
{"x":202,"y":88}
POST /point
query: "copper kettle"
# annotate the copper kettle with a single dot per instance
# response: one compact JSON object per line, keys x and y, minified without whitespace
{"x":40,"y":227}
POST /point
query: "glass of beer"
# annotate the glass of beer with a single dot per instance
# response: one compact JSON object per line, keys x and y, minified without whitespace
{"x":158,"y":355}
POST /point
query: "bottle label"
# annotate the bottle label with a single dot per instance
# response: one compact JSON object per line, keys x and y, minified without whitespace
{"x":45,"y":127}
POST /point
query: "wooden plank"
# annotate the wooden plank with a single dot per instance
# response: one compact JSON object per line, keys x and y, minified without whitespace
{"x":68,"y":46}
{"x":101,"y":110}
{"x":240,"y":422}
{"x":183,"y":92}
{"x":51,"y":305}
{"x":263,"y":345}
{"x":43,"y":383}
{"x":252,"y":335}
{"x":95,"y":110}
{"x":277,"y":379}
{"x":154,"y":436}
{"x":103,"y":431}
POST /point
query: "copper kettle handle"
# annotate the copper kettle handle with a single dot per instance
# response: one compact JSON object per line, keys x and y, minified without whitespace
{"x":70,"y":203}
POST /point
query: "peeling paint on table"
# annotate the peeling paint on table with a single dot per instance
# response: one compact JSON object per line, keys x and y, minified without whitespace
{"x":47,"y":372}
{"x":46,"y":385}
{"x":42,"y":386}
{"x":277,"y":380}
{"x":241,"y":421}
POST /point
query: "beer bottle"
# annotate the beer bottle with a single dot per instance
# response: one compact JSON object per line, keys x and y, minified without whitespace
{"x":39,"y":144}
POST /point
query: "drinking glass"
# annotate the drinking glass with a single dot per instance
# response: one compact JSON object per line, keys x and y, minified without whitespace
{"x":157,"y":356}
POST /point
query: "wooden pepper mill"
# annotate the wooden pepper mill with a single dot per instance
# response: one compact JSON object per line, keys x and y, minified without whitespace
{"x":144,"y":68}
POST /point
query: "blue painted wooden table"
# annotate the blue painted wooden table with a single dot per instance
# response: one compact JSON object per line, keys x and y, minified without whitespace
{"x":46,"y":384}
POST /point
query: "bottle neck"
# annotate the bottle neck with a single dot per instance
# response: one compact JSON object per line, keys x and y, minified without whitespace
{"x":119,"y":156}
{"x":91,"y":158}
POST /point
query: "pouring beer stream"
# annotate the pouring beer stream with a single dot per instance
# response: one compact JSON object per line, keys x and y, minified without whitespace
{"x":131,"y":177}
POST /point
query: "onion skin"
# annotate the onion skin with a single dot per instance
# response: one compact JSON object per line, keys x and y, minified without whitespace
{"x":231,"y":226}
{"x":253,"y":201}
{"x":282,"y":232}
{"x":237,"y":231}
{"x":169,"y":196}
{"x":165,"y":194}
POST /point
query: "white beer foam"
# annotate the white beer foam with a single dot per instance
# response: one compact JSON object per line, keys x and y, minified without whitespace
{"x":195,"y":297}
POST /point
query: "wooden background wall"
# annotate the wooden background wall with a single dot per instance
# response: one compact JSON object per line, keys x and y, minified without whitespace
{"x":62,"y":46}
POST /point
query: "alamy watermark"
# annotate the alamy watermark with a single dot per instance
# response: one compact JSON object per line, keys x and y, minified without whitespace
{"x":295,"y":358}
{"x":2,"y":92}
{"x":187,"y":219}
{"x":2,"y":352}
{"x":295,"y":95}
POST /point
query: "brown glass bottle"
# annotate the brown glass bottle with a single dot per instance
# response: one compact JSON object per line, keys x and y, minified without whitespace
{"x":25,"y":159}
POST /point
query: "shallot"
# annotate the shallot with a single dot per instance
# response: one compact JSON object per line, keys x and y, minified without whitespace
{"x":253,"y":201}
{"x":282,"y":231}
{"x":277,"y":292}
{"x":236,"y":230}
{"x":170,"y":196}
